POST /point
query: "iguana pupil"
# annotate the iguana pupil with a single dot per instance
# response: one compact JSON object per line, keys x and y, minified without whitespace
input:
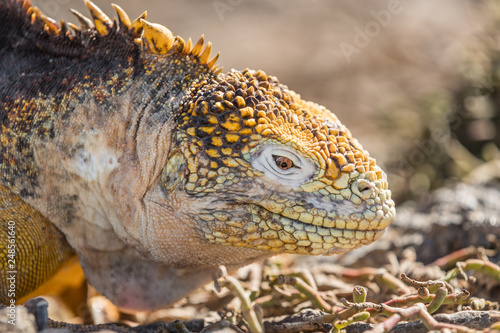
{"x":284,"y":162}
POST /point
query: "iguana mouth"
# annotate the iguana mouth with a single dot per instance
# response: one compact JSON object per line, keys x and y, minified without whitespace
{"x":360,"y":217}
{"x":275,"y":227}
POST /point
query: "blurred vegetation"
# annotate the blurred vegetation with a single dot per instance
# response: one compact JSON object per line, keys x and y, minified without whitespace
{"x":451,"y":135}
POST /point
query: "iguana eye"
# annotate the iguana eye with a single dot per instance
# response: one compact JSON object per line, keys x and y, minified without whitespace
{"x":283,"y":162}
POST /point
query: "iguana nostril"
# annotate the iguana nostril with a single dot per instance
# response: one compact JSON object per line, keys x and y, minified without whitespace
{"x":365,"y":188}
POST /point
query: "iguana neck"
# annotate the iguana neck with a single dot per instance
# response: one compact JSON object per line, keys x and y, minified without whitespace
{"x":87,"y":94}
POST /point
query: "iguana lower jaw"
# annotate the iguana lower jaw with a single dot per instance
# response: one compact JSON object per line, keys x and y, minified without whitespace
{"x":279,"y":224}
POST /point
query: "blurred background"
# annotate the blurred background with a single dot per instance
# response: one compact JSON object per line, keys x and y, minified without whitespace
{"x":415,"y":81}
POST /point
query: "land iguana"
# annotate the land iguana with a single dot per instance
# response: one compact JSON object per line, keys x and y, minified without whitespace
{"x":126,"y":145}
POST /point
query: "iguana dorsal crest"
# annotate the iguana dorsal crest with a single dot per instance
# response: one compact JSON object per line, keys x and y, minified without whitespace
{"x":152,"y":38}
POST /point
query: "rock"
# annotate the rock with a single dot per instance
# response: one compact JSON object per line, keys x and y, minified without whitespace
{"x":17,"y":320}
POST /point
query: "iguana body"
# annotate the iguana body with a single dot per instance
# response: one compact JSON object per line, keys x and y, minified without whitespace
{"x":127,"y":142}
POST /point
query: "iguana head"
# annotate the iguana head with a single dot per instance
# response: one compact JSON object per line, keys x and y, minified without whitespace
{"x":270,"y":171}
